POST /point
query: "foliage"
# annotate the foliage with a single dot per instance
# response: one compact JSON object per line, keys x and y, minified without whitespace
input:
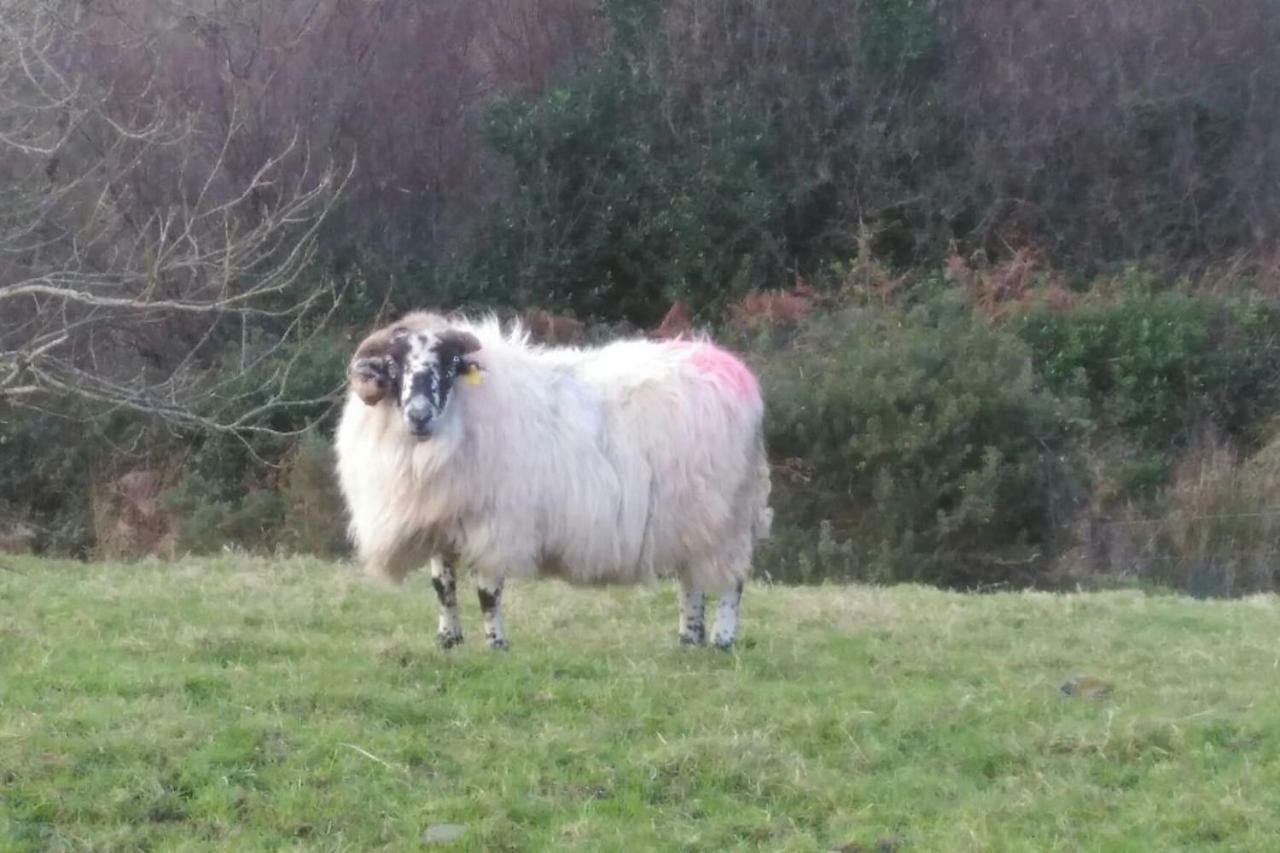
{"x":315,"y":520}
{"x":230,"y":489}
{"x":604,"y":158}
{"x":241,"y":703}
{"x":679,"y":165}
{"x":621,"y":196}
{"x":703,"y":150}
{"x":1158,"y":366}
{"x":1109,"y":131}
{"x":1216,"y":534}
{"x":45,"y":468}
{"x":925,"y":439}
{"x":52,"y":459}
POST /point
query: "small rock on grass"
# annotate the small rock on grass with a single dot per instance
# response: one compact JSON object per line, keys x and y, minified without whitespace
{"x":888,"y":844}
{"x":1085,"y":686}
{"x":439,"y":833}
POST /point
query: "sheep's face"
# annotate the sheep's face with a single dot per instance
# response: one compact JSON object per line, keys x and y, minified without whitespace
{"x":430,"y":364}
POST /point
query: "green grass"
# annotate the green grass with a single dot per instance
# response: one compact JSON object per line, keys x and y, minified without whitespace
{"x":246,"y":704}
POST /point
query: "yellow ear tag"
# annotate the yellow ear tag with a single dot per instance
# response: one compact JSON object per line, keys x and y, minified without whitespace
{"x":472,"y":376}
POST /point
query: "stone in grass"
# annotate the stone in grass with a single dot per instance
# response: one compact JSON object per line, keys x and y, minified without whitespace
{"x":889,"y":844}
{"x":440,"y":833}
{"x":1085,"y":686}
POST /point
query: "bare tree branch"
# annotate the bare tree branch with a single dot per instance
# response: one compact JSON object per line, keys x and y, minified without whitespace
{"x":128,"y":240}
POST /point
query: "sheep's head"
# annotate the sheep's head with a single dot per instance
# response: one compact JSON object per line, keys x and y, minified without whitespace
{"x":374,"y":371}
{"x":417,"y":362}
{"x":432,"y":363}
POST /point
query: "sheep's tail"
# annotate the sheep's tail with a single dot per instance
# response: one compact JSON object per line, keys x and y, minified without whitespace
{"x":763,"y":523}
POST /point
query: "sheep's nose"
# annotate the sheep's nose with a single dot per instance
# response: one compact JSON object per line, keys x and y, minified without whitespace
{"x":417,"y":414}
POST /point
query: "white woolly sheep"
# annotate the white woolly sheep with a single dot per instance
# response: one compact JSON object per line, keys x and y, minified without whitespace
{"x":462,"y":445}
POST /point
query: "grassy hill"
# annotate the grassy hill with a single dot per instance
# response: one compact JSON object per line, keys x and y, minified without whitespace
{"x":247,"y":704}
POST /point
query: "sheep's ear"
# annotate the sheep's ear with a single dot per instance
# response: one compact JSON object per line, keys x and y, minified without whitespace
{"x":458,"y":342}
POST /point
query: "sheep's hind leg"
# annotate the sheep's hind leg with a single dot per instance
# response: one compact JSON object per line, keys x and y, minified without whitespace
{"x":693,"y":625}
{"x":490,"y":594}
{"x":449,"y":632}
{"x":727,"y":617}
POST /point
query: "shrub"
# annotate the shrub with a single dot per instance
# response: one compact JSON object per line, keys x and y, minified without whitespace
{"x":709,"y":150}
{"x":622,"y":197}
{"x":314,"y":514}
{"x":1154,"y":367}
{"x":230,"y":491}
{"x":45,"y":466}
{"x":53,"y":457}
{"x":924,"y":441}
{"x":1218,"y":532}
{"x":250,"y":521}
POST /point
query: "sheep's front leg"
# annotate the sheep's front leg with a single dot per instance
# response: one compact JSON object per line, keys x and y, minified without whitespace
{"x":449,"y":632}
{"x":693,"y":626}
{"x":727,"y":617}
{"x":490,"y":594}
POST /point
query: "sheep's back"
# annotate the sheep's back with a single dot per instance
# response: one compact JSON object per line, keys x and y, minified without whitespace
{"x":691,"y":419}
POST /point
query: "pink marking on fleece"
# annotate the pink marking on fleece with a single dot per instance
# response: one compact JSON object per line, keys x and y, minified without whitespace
{"x":724,"y":368}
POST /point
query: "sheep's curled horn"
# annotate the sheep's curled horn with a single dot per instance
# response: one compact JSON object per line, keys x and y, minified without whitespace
{"x":374,"y":370}
{"x":459,"y":342}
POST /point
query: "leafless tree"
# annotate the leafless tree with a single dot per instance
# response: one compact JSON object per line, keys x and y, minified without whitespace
{"x":143,"y":235}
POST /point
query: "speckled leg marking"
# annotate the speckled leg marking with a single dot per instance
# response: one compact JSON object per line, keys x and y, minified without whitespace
{"x":490,"y":595}
{"x":727,"y":618}
{"x":693,"y":625}
{"x":449,"y":632}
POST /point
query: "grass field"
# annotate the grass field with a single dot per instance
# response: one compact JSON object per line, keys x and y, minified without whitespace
{"x":246,"y":704}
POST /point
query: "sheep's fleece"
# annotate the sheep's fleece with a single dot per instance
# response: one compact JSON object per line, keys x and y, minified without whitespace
{"x":463,"y":444}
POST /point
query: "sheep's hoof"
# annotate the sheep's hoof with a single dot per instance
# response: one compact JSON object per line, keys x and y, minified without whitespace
{"x":689,"y":639}
{"x":498,"y":644}
{"x":448,"y":641}
{"x":724,"y":644}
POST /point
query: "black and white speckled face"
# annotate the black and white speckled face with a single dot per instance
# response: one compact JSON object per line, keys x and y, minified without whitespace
{"x":430,"y":365}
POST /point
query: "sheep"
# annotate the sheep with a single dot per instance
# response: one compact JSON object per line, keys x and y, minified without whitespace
{"x":462,"y":444}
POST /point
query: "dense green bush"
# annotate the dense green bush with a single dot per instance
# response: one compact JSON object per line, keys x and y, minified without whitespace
{"x":921,"y":445}
{"x":231,"y":486}
{"x":621,"y":196}
{"x":315,"y":520}
{"x":704,"y":149}
{"x":53,"y":459}
{"x":679,"y":164}
{"x":1157,"y":367}
{"x":45,"y":466}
